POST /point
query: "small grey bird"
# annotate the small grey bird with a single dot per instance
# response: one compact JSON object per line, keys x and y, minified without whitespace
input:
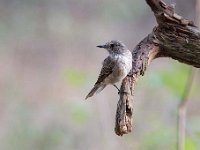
{"x":115,"y":67}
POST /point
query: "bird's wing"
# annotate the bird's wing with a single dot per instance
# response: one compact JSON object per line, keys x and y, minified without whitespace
{"x":106,"y":70}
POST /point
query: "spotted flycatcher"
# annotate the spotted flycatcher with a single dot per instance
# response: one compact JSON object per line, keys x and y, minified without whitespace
{"x":115,"y":67}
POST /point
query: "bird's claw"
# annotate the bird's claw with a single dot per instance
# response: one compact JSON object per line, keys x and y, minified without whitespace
{"x":123,"y":92}
{"x":119,"y":92}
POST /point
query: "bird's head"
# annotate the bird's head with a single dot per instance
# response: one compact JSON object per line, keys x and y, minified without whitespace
{"x":114,"y":47}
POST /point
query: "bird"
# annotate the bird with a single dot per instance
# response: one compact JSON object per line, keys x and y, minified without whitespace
{"x":115,"y":67}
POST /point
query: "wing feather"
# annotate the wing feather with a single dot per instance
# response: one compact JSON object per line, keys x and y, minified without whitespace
{"x":106,"y":70}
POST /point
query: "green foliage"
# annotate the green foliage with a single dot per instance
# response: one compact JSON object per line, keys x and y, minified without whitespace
{"x":25,"y":134}
{"x":160,"y":138}
{"x":79,"y":113}
{"x":190,"y":144}
{"x":198,"y":134}
{"x":175,"y":78}
{"x":75,"y":77}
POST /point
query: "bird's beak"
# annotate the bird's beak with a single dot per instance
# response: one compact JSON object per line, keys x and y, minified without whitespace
{"x":101,"y":46}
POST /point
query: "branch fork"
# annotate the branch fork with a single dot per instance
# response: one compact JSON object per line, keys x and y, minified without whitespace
{"x":174,"y":37}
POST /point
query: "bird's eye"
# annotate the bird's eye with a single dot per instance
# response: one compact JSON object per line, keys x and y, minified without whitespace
{"x":112,"y":45}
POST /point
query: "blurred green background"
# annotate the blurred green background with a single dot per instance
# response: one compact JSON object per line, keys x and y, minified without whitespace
{"x":49,"y":63}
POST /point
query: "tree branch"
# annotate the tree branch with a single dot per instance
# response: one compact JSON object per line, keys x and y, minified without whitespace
{"x":178,"y":37}
{"x":143,"y":54}
{"x":174,"y":37}
{"x":182,"y":110}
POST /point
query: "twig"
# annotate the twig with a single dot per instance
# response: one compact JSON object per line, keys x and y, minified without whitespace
{"x":182,"y":110}
{"x":185,"y":99}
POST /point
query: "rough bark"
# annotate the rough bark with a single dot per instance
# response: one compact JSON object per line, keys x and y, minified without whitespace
{"x":144,"y":52}
{"x":174,"y":37}
{"x":177,"y":37}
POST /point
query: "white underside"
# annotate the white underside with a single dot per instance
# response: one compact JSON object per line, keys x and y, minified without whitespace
{"x":121,"y":69}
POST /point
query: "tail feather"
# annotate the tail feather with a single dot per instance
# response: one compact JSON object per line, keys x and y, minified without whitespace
{"x":96,"y":89}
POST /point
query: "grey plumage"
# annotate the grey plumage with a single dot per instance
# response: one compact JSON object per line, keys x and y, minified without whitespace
{"x":115,"y":67}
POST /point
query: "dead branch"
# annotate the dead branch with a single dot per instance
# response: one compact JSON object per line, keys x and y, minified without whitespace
{"x":177,"y":37}
{"x":144,"y":52}
{"x":174,"y":37}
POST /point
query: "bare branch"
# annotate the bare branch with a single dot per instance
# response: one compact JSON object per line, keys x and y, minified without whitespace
{"x":178,"y":37}
{"x":182,"y":110}
{"x":174,"y":37}
{"x":144,"y":52}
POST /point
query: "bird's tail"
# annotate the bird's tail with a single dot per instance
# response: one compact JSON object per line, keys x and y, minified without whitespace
{"x":96,"y":89}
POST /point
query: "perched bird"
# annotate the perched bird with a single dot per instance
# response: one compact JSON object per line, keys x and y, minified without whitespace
{"x":115,"y":67}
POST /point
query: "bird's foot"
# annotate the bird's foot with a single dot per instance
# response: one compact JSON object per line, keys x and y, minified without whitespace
{"x":123,"y":92}
{"x":119,"y":91}
{"x":116,"y":87}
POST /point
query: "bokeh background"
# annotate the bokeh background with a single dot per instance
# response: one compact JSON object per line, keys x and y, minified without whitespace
{"x":49,"y":63}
